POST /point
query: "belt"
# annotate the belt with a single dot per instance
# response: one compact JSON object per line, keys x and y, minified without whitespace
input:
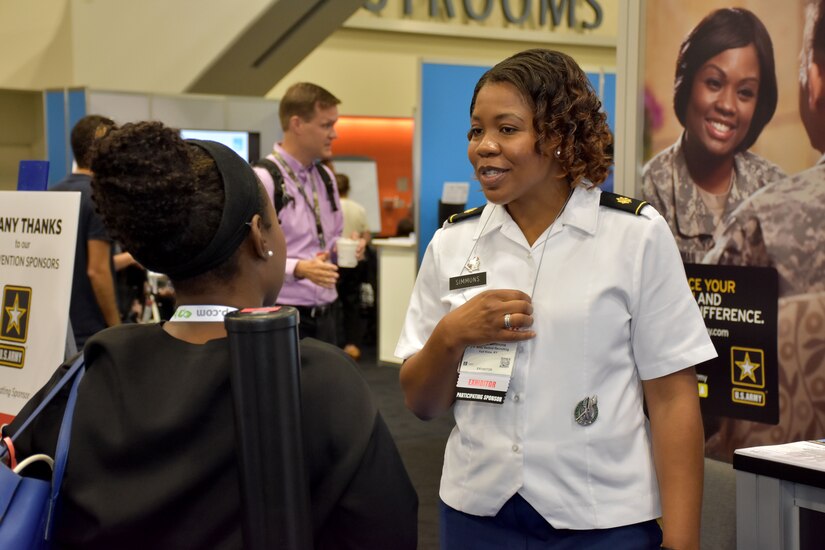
{"x":314,"y":312}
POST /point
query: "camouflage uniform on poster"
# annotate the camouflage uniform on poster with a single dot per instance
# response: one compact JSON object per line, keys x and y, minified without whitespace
{"x":668,"y":187}
{"x":783,"y":226}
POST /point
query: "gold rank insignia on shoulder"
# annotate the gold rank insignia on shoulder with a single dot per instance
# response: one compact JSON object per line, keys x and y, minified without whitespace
{"x":467,"y":214}
{"x":620,"y":202}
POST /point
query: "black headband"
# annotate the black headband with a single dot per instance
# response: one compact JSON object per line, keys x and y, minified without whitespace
{"x":241,"y":196}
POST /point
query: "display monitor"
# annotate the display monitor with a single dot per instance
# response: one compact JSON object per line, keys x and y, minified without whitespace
{"x":246,"y":144}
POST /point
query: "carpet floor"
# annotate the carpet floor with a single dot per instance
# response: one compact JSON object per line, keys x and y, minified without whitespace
{"x":420,"y":443}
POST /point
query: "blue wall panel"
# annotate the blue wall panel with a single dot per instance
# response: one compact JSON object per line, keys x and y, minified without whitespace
{"x":445,"y":119}
{"x":56,"y":135}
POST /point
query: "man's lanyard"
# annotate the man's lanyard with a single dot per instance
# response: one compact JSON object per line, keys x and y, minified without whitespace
{"x":201,"y":314}
{"x":315,"y":206}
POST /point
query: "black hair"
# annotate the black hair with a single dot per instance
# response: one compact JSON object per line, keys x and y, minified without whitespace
{"x":161,"y":197}
{"x":85,"y":132}
{"x":567,"y":111}
{"x":342,"y":180}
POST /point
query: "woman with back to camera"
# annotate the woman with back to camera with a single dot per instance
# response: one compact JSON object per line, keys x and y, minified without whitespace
{"x":581,"y":295}
{"x":152,"y":462}
{"x":724,"y":94}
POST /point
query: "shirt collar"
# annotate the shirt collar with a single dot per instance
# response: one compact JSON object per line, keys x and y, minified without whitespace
{"x":293,"y":163}
{"x":581,"y":212}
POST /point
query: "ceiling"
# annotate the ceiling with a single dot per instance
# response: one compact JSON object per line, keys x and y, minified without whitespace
{"x":272,"y":45}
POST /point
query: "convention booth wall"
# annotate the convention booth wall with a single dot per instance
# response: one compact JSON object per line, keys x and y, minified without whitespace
{"x":388,"y":143}
{"x":22,"y":133}
{"x":63,"y":108}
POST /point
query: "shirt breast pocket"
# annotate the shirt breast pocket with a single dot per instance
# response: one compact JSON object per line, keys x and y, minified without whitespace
{"x":459,"y":297}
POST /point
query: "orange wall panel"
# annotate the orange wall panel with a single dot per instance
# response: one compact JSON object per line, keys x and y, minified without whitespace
{"x":388,"y":141}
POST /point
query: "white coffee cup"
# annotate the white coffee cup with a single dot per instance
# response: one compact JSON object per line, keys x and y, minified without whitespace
{"x":346,"y":252}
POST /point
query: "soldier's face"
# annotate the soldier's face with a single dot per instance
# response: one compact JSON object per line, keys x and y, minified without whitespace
{"x":722,"y":101}
{"x":502,"y":146}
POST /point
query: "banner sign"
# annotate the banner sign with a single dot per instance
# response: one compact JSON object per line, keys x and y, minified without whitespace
{"x":739,"y":305}
{"x":37,"y":248}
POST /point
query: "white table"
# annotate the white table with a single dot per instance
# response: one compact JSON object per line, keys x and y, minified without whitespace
{"x":397,"y":268}
{"x":780,"y":496}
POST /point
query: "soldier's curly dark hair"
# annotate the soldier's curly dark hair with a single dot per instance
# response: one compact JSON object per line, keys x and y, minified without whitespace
{"x":567,"y":111}
{"x":160,"y":197}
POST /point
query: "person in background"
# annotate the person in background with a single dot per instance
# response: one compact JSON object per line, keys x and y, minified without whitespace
{"x":350,"y":278}
{"x":577,"y":286}
{"x":405,"y":227}
{"x":153,"y":458}
{"x":93,"y":302}
{"x":311,"y":215}
{"x":724,"y":94}
{"x":783,"y":226}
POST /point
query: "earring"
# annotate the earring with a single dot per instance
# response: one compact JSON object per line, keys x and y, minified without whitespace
{"x":269,"y":253}
{"x":558,"y":152}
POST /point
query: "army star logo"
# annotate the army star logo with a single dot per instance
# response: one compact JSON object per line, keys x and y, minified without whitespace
{"x":14,"y":320}
{"x":748,"y":368}
{"x":623,"y":200}
{"x":15,"y":312}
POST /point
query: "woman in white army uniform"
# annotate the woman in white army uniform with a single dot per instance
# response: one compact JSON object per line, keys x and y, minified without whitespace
{"x":580,"y":299}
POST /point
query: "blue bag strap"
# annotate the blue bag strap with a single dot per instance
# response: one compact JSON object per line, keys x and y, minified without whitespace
{"x":62,"y":453}
{"x":76,"y":366}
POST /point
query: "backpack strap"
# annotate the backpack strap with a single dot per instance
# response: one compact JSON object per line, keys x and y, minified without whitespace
{"x":280,"y":197}
{"x":328,"y":184}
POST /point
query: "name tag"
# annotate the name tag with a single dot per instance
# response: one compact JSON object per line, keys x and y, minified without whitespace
{"x":468,"y":281}
{"x":485,"y":371}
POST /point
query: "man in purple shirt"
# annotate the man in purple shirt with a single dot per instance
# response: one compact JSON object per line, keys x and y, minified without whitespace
{"x":311,"y":219}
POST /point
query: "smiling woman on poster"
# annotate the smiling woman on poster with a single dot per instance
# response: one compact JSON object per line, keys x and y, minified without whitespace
{"x":725,"y":92}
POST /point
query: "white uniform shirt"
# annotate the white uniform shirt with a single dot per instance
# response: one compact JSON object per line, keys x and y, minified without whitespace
{"x":611,"y":307}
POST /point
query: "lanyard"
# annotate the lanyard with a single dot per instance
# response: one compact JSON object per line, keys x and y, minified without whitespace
{"x":543,"y":246}
{"x":315,"y":206}
{"x":201,"y":314}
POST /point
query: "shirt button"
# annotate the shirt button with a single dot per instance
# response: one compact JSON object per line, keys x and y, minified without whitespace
{"x":529,"y":256}
{"x":516,"y":398}
{"x":515,"y":448}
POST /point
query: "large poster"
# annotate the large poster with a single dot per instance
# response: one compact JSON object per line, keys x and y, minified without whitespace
{"x":37,"y":246}
{"x":739,"y":307}
{"x":734,"y":132}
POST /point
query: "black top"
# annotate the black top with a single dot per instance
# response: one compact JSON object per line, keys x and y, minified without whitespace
{"x":84,"y":312}
{"x":152,"y":460}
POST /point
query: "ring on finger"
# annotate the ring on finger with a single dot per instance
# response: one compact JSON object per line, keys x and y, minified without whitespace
{"x":507,"y":321}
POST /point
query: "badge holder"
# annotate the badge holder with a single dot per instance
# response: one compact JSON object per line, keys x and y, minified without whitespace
{"x":485,"y":371}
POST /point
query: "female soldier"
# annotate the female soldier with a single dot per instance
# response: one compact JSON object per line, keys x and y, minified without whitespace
{"x":152,"y":462}
{"x":581,"y":302}
{"x":724,"y":95}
